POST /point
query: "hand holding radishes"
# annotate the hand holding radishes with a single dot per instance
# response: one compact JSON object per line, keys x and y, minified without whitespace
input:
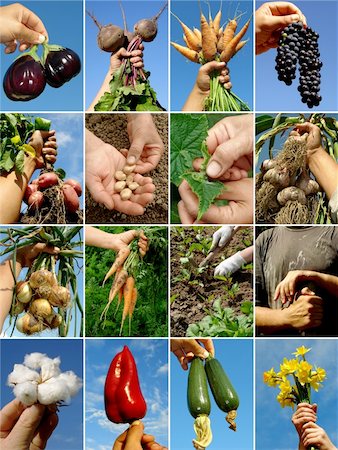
{"x":45,"y":145}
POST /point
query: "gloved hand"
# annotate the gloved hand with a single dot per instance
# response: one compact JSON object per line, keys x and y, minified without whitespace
{"x":230,"y":265}
{"x":221,"y":237}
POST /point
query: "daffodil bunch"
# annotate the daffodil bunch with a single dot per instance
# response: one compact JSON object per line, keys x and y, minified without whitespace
{"x":295,"y":379}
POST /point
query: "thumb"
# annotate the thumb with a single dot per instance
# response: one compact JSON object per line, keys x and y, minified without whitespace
{"x":276,"y":22}
{"x":25,"y":34}
{"x":224,"y":157}
{"x":134,"y":436}
{"x":211,"y":66}
{"x":198,"y":350}
{"x":99,"y":194}
{"x":307,"y":291}
{"x":135,"y":150}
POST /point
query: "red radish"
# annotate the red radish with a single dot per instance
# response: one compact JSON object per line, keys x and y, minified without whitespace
{"x":75,"y":185}
{"x":47,"y":180}
{"x":30,"y":189}
{"x":70,"y":197}
{"x":35,"y":200}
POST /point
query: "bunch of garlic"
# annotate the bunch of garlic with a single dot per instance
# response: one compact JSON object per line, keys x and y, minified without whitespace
{"x":40,"y":380}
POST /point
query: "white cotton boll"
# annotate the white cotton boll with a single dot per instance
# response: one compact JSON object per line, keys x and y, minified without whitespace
{"x":21,"y":374}
{"x":52,"y":391}
{"x":34,"y":360}
{"x":73,"y":382}
{"x":50,"y":368}
{"x":26,"y":392}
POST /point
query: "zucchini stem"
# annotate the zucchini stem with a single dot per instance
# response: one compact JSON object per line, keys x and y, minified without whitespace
{"x":230,"y":418}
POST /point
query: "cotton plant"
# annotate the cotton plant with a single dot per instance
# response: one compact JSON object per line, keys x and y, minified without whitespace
{"x":40,"y":380}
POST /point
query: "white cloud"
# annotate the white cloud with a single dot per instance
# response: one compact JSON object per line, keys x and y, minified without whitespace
{"x":162,"y":370}
{"x":93,"y":399}
{"x":63,"y":138}
{"x":101,"y":380}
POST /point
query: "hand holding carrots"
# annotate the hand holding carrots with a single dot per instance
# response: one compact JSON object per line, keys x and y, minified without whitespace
{"x":270,"y":19}
{"x":203,"y":77}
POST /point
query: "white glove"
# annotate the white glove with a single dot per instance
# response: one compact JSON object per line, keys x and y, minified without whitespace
{"x":230,"y":265}
{"x":221,"y":237}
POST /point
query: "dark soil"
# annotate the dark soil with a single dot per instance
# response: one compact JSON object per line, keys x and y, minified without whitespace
{"x":192,"y":297}
{"x":112,"y":128}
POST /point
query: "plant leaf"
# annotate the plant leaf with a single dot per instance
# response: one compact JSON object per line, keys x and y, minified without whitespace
{"x":20,"y":161}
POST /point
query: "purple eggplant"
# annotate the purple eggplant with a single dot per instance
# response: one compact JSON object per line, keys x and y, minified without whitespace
{"x":24,"y":79}
{"x":61,"y":66}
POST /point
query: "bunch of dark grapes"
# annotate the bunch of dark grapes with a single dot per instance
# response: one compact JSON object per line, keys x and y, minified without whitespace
{"x":299,"y":44}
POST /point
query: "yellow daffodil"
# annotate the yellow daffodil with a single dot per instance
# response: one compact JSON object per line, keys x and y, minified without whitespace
{"x":270,"y":378}
{"x":315,"y":384}
{"x":289,"y":366}
{"x":285,"y":387}
{"x":301,"y":351}
{"x":319,"y":374}
{"x":284,"y":399}
{"x":304,"y":372}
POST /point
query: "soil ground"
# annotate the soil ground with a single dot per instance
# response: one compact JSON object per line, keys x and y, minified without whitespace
{"x":192,"y":297}
{"x":112,"y":128}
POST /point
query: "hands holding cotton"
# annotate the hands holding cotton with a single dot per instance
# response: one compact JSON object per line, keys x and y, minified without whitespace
{"x":40,"y":380}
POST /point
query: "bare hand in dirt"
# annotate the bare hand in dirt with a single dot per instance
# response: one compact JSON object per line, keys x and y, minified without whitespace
{"x":309,"y":133}
{"x":44,"y":143}
{"x":270,"y":19}
{"x":203,"y":77}
{"x":315,"y":436}
{"x":230,"y":143}
{"x":102,"y":163}
{"x":239,"y":209}
{"x":303,"y":414}
{"x":146,"y":146}
{"x":25,"y":256}
{"x":136,"y":58}
{"x":26,"y":428}
{"x":134,"y":439}
{"x":306,"y":312}
{"x":186,"y":349}
{"x":286,"y":289}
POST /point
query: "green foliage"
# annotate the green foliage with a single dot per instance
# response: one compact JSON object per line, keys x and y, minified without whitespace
{"x":224,"y":322}
{"x":151,"y":279}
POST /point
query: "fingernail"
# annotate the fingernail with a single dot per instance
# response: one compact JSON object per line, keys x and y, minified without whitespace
{"x":295,"y":17}
{"x":131,"y":160}
{"x":205,"y":354}
{"x":42,"y":38}
{"x":57,"y":249}
{"x":214,"y":169}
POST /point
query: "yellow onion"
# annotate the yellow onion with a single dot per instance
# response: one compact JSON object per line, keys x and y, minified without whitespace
{"x":29,"y":325}
{"x":60,"y":297}
{"x":55,"y":321}
{"x":41,"y":308}
{"x":42,"y":277}
{"x":17,"y":308}
{"x":43,"y":291}
{"x":23,"y":292}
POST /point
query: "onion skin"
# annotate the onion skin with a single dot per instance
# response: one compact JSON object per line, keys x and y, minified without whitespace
{"x":42,"y":277}
{"x":23,"y":292}
{"x":29,"y":325}
{"x":293,"y":194}
{"x":40,"y":308}
{"x":306,"y":184}
{"x":277,"y":177}
{"x":59,"y":296}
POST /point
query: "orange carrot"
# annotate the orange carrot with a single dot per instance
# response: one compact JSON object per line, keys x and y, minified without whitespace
{"x":230,"y":49}
{"x":120,"y":259}
{"x":132,"y":307}
{"x":128,"y":295}
{"x":209,"y":44}
{"x":119,"y":300}
{"x":217,"y":21}
{"x":229,"y":32}
{"x":240,"y":46}
{"x":119,"y":281}
{"x":220,"y":44}
{"x":186,"y":52}
{"x":199,"y":35}
{"x":190,"y":37}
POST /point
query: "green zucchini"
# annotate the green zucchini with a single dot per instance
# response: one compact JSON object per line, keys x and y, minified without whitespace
{"x":223,"y":391}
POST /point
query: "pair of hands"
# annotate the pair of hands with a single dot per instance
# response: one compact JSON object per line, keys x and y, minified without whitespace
{"x":230,"y":142}
{"x":104,"y":160}
{"x":310,"y":434}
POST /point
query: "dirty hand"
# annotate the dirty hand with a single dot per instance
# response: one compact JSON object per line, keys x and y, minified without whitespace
{"x":20,"y":25}
{"x":270,"y":19}
{"x":134,"y":439}
{"x":186,"y":349}
{"x":45,"y":145}
{"x":221,"y":237}
{"x":309,"y":133}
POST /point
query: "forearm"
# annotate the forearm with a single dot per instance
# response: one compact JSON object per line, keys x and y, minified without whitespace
{"x":6,"y":288}
{"x":104,"y":88}
{"x":99,"y":238}
{"x":195,"y":101}
{"x":325,"y":281}
{"x":270,"y":320}
{"x":12,"y":189}
{"x":325,"y":170}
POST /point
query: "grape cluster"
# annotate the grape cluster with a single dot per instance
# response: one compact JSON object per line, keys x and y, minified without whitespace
{"x":299,"y":44}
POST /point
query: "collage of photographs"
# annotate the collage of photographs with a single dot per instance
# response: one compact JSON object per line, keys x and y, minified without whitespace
{"x":169,"y":225}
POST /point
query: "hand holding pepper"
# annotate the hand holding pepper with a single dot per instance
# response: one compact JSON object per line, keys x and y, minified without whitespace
{"x":134,"y":439}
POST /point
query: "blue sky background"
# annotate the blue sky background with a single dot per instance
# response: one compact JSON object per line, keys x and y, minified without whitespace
{"x":235,"y":356}
{"x":63,"y":20}
{"x":272,"y":95}
{"x":7,"y":328}
{"x":69,"y":432}
{"x":155,"y":54}
{"x":274,"y":428}
{"x":183,"y":72}
{"x":152,"y":364}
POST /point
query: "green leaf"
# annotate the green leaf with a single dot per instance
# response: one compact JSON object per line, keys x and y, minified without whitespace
{"x":28,"y":149}
{"x":105,"y":103}
{"x":7,"y":161}
{"x":247,"y":308}
{"x":188,"y":131}
{"x":20,"y":161}
{"x":263,"y":123}
{"x":61,"y":173}
{"x":205,"y":190}
{"x":42,"y":124}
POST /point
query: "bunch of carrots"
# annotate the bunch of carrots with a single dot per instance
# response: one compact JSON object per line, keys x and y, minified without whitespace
{"x":124,"y":268}
{"x":213,"y":43}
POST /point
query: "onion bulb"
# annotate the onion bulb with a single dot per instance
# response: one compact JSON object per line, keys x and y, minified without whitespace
{"x":41,"y":308}
{"x":29,"y":325}
{"x":42,"y":277}
{"x":59,"y":296}
{"x":23,"y":292}
{"x":293,"y":194}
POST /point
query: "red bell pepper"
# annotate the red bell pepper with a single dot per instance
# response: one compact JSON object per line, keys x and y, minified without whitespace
{"x":123,"y":398}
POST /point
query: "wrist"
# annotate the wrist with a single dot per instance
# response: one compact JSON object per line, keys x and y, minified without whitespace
{"x":199,"y":91}
{"x":30,"y":164}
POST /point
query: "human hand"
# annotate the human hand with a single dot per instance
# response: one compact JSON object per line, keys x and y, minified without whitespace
{"x":303,"y":414}
{"x":230,"y":144}
{"x":146,"y":146}
{"x":23,"y":428}
{"x":239,"y":195}
{"x":44,"y":143}
{"x":19,"y":24}
{"x":286,"y":289}
{"x":25,"y":256}
{"x":203,"y":76}
{"x":121,"y":240}
{"x":186,"y":349}
{"x":315,"y":436}
{"x":102,"y":162}
{"x":221,"y":237}
{"x":306,"y":312}
{"x":134,"y":439}
{"x":136,"y":58}
{"x":270,"y":19}
{"x":309,"y":133}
